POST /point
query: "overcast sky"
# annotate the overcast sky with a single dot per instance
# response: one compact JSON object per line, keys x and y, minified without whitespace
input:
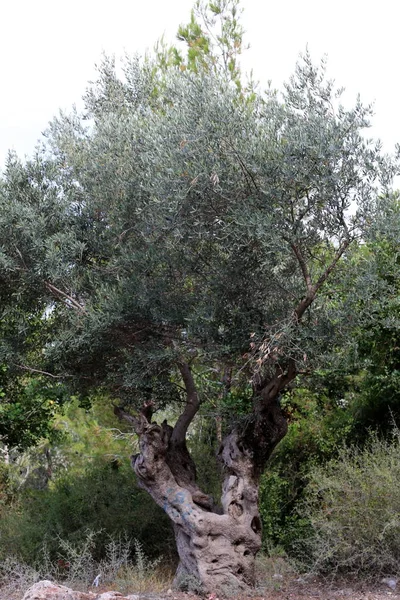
{"x":48,"y":50}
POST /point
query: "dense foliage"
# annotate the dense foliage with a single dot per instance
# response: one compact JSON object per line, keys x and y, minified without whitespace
{"x":56,"y":493}
{"x":353,"y":504}
{"x":188,"y":224}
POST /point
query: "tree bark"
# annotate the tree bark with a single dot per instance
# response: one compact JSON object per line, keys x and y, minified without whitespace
{"x":217,"y":548}
{"x":217,"y":545}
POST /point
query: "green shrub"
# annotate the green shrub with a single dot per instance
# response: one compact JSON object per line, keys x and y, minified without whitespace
{"x":353,"y":505}
{"x":7,"y":489}
{"x":317,"y":427}
{"x":105,"y":499}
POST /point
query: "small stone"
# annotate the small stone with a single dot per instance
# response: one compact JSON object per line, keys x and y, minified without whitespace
{"x":345,"y":592}
{"x":390,"y":582}
{"x":277,"y":576}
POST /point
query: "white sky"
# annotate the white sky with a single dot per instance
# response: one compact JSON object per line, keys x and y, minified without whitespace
{"x":48,"y":50}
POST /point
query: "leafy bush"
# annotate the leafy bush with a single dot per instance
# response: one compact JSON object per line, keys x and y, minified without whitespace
{"x":105,"y":498}
{"x":317,"y":426}
{"x":353,"y":505}
{"x":7,"y":489}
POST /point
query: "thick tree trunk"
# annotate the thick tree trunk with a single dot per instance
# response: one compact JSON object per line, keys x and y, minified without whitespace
{"x":216,"y":547}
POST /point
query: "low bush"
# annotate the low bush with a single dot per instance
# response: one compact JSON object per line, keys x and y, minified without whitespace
{"x":353,"y":506}
{"x":125,"y":567}
{"x":318,"y":425}
{"x":105,"y":499}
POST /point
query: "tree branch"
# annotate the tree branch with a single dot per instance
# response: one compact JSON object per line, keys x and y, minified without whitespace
{"x":333,"y":264}
{"x":248,"y":175}
{"x":303,"y":266}
{"x":191,"y":407}
{"x":75,"y":304}
{"x":25,"y":268}
{"x":278,"y":382}
{"x":303,"y":305}
{"x":312,"y":292}
{"x":32,"y":370}
{"x":121,"y":414}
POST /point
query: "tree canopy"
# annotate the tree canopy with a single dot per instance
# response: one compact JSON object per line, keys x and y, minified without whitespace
{"x":186,"y":222}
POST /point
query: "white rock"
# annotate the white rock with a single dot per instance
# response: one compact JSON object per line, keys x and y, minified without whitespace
{"x":390,"y":582}
{"x":48,"y":590}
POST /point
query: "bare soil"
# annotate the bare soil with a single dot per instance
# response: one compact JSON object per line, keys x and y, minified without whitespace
{"x":299,"y":590}
{"x":296,"y":589}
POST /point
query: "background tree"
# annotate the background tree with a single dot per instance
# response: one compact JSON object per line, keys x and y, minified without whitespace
{"x":161,"y":234}
{"x":349,"y":402}
{"x":213,"y":40}
{"x":78,"y":486}
{"x":377,"y":406}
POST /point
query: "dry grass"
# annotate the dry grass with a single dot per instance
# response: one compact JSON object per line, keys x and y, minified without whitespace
{"x":129,"y":580}
{"x":76,"y":568}
{"x":15,"y":578}
{"x":277,"y":579}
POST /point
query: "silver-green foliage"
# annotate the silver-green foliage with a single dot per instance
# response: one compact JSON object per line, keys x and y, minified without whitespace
{"x":77,"y":566}
{"x":173,"y":217}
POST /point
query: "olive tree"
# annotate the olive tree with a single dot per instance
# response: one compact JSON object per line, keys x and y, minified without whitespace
{"x":175,"y":227}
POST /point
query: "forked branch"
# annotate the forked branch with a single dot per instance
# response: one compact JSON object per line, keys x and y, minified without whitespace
{"x":333,"y":264}
{"x":312,"y":291}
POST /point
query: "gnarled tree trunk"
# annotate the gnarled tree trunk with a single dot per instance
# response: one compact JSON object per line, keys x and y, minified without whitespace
{"x":217,"y":545}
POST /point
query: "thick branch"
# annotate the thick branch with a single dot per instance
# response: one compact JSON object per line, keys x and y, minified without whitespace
{"x":159,"y":451}
{"x":270,"y":424}
{"x":303,"y":266}
{"x":121,"y":414}
{"x":191,"y":407}
{"x":275,"y":385}
{"x":303,"y":305}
